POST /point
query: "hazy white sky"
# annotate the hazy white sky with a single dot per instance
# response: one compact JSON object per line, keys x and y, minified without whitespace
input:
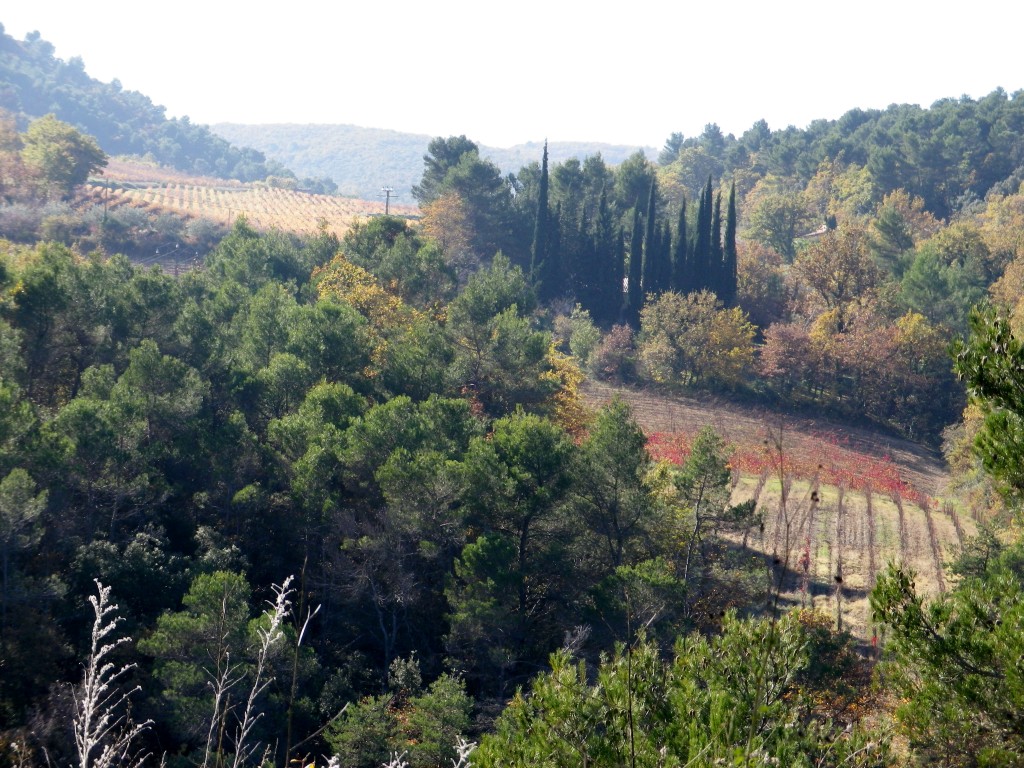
{"x":509,"y":72}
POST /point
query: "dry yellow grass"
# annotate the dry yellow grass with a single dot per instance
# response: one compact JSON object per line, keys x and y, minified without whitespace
{"x":842,"y":539}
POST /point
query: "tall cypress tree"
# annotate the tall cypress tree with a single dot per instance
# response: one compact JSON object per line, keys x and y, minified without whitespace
{"x":574,"y":254}
{"x":559,"y":269}
{"x":650,"y":270}
{"x":541,"y":266}
{"x":620,"y":257}
{"x":681,"y":280}
{"x":634,"y":290}
{"x":664,"y":272}
{"x":715,"y":259}
{"x":729,"y":263}
{"x":607,"y":272}
{"x":702,"y":245}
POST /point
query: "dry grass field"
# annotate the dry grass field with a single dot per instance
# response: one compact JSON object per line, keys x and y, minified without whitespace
{"x":854,"y":500}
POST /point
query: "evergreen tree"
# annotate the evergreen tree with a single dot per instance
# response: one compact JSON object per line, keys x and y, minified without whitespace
{"x":571,"y":249}
{"x":729,"y":268}
{"x":714,"y":280}
{"x":660,"y":254}
{"x":559,"y":269}
{"x":650,"y":265}
{"x":954,"y":660}
{"x":990,"y":362}
{"x":542,"y":267}
{"x":665,"y":258}
{"x":634,"y":290}
{"x":606,"y":290}
{"x":442,"y":156}
{"x":620,"y":258}
{"x":681,"y":278}
{"x":737,"y":698}
{"x":702,"y":245}
{"x":579,"y":261}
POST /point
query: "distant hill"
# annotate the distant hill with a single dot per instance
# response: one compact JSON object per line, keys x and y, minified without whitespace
{"x":33,"y":83}
{"x":362,"y":160}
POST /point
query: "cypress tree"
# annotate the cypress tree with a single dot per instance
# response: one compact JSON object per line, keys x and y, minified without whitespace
{"x":714,"y":282}
{"x":664,"y":259}
{"x":620,"y":257}
{"x":729,"y":280}
{"x":559,"y":273}
{"x":607,"y":272}
{"x":541,"y":268}
{"x":574,"y":254}
{"x":634,"y":290}
{"x":681,"y":254}
{"x":586,"y":282}
{"x":650,"y":266}
{"x":702,"y":245}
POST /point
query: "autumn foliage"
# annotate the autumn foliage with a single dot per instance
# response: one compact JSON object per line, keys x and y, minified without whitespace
{"x":833,"y":459}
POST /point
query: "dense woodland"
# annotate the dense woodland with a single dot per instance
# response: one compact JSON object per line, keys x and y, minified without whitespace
{"x":34,"y":83}
{"x":342,"y":498}
{"x":949,"y":154}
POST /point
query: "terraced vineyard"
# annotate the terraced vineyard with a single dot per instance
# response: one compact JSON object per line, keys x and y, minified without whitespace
{"x":838,"y":504}
{"x":827,"y":544}
{"x":224,"y":201}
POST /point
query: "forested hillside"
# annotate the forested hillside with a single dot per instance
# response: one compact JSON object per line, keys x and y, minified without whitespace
{"x":362,"y":160}
{"x":34,"y":83}
{"x":340,"y":501}
{"x":949,"y":153}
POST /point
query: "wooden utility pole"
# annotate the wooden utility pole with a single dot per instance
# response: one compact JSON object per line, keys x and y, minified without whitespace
{"x":387,"y":192}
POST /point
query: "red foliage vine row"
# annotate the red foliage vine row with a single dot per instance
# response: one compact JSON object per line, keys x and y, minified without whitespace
{"x":804,"y":456}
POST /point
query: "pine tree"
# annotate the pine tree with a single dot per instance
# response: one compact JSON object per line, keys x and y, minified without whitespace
{"x":729,"y":260}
